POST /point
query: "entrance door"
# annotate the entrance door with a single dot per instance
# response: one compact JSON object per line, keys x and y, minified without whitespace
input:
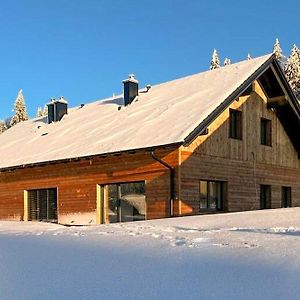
{"x":126,"y":202}
{"x":42,"y":205}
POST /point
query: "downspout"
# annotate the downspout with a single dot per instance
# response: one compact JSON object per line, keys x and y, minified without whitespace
{"x":172,"y":182}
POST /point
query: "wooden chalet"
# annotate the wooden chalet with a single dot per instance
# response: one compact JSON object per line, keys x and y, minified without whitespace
{"x":224,"y":140}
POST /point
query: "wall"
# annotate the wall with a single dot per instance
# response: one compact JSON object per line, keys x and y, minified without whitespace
{"x":243,"y":164}
{"x":77,"y":184}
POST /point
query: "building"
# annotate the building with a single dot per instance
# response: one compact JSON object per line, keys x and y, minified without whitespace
{"x":220,"y":141}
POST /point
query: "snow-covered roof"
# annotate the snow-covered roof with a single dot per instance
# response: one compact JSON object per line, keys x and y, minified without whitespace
{"x":164,"y":115}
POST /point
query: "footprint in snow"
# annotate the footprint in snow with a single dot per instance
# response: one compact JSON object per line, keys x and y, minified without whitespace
{"x":179,"y":242}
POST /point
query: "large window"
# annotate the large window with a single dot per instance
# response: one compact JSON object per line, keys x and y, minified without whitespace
{"x":211,"y":195}
{"x":286,"y":196}
{"x":235,"y":124}
{"x":265,"y":196}
{"x":265,"y":132}
{"x":124,"y":202}
{"x":42,"y":205}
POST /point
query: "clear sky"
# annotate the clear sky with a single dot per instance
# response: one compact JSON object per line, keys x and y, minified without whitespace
{"x":82,"y":49}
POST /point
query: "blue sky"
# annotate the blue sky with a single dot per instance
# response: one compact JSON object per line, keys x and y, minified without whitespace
{"x":82,"y":49}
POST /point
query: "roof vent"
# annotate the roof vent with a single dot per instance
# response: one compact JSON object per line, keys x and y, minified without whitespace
{"x":131,"y":89}
{"x":57,"y":109}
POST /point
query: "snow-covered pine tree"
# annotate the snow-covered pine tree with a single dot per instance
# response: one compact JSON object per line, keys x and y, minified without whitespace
{"x":215,"y":62}
{"x":20,"y":110}
{"x":277,"y":49}
{"x":292,"y":70}
{"x":249,"y":56}
{"x":227,"y":62}
{"x":45,"y":111}
{"x":2,"y":126}
{"x":39,"y":112}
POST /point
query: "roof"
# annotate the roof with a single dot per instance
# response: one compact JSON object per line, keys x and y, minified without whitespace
{"x":167,"y":114}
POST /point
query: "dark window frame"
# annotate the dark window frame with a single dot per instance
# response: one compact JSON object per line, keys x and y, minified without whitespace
{"x":266,"y":132}
{"x":235,"y":124}
{"x":286,"y":196}
{"x":220,"y":203}
{"x":42,"y":200}
{"x":118,"y":199}
{"x":265,"y":196}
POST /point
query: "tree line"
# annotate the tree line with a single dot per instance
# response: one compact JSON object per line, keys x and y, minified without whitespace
{"x":290,"y":64}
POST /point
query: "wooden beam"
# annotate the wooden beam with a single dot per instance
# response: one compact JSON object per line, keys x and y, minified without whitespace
{"x":277,"y":101}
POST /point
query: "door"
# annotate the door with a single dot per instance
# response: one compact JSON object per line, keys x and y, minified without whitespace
{"x":126,"y":202}
{"x":265,"y":196}
{"x":286,"y":196}
{"x":42,"y":205}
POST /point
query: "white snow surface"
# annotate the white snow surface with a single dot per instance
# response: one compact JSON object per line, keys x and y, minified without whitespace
{"x":166,"y":114}
{"x":247,"y":255}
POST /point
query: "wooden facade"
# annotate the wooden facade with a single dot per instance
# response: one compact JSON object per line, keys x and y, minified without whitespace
{"x":236,"y":168}
{"x":243,"y":164}
{"x":77,"y":184}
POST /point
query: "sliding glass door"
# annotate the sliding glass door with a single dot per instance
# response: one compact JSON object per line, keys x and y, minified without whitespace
{"x":125,"y":202}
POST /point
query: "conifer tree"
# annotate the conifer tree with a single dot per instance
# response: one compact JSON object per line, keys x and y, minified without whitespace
{"x":277,"y":49}
{"x":39,"y":112}
{"x":2,"y":126}
{"x":227,"y":62}
{"x":20,"y":110}
{"x":215,"y":62}
{"x":45,"y":111}
{"x":292,"y":70}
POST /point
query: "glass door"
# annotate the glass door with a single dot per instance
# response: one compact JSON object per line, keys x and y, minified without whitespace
{"x":126,"y":202}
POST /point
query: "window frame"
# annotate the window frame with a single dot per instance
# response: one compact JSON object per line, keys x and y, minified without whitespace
{"x":32,"y":195}
{"x":266,"y":132}
{"x":265,"y":196}
{"x":219,"y":202}
{"x":103,"y":200}
{"x":235,"y":124}
{"x":286,"y":202}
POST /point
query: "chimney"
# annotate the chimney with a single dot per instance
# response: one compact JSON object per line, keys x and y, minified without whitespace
{"x":131,"y":89}
{"x":57,"y":109}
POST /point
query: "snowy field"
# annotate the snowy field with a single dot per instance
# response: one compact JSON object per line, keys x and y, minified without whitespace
{"x":249,"y":255}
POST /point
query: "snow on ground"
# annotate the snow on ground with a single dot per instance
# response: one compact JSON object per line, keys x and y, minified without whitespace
{"x":247,"y":255}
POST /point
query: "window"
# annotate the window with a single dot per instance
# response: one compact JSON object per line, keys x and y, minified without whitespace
{"x":286,"y":196}
{"x":235,"y":124}
{"x":42,"y":205}
{"x":265,"y":132}
{"x":265,"y":196}
{"x":211,"y":195}
{"x":125,"y":202}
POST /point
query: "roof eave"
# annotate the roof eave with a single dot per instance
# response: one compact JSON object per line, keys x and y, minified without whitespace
{"x":72,"y":159}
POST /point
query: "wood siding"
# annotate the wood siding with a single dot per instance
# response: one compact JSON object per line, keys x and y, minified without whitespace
{"x":242,"y":164}
{"x":77,"y":184}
